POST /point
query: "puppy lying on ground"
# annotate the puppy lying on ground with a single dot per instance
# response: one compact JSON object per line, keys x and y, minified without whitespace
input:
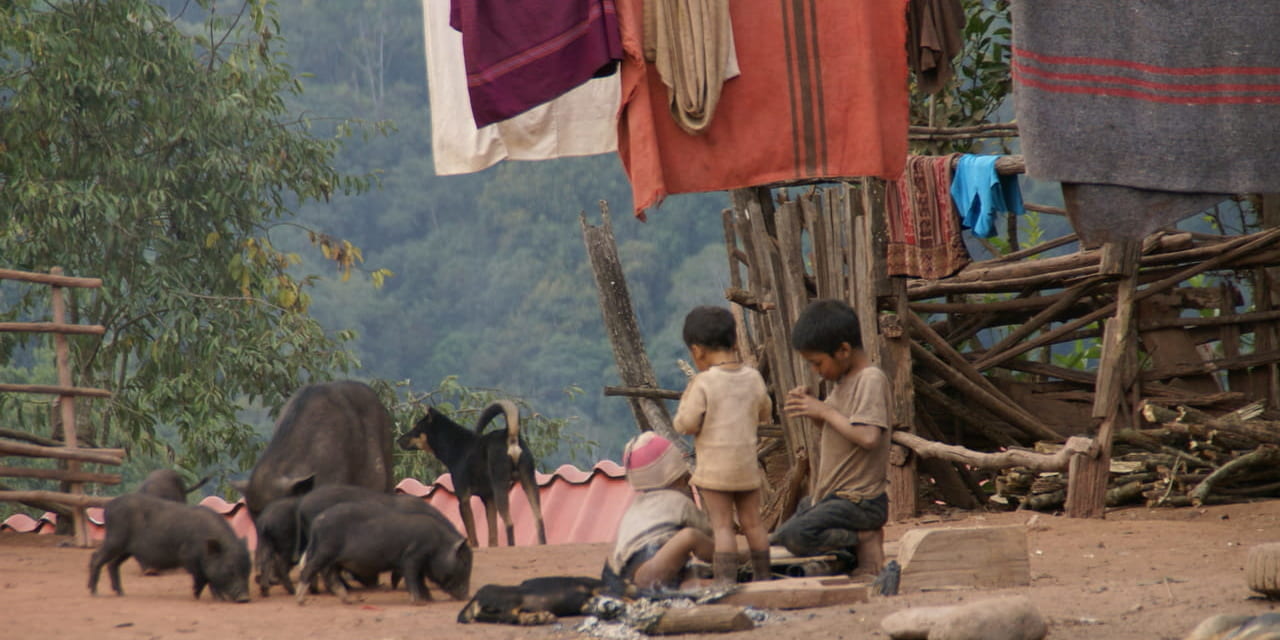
{"x":534,"y":601}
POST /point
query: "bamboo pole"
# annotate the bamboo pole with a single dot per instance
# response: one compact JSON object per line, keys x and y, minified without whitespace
{"x":643,"y":392}
{"x":55,"y":390}
{"x":52,"y":327}
{"x":64,"y":475}
{"x":53,"y":279}
{"x":96,"y":456}
{"x":77,"y":500}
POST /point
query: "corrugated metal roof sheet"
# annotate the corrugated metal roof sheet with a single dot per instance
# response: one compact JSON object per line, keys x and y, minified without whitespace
{"x":577,"y":506}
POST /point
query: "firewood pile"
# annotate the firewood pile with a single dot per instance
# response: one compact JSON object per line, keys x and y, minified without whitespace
{"x":1178,"y":456}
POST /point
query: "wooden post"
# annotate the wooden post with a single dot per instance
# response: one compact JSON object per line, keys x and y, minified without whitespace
{"x":623,"y":330}
{"x":902,"y":464}
{"x":1088,"y":474}
{"x":66,"y":404}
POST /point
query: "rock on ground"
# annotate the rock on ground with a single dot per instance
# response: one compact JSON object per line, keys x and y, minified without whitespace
{"x":1012,"y":618}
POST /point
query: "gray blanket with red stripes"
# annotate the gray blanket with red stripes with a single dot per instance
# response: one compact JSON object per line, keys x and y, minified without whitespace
{"x":1163,"y":95}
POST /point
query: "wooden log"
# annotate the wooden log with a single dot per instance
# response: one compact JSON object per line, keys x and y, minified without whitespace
{"x":56,"y":280}
{"x":1003,"y":410}
{"x":798,"y":593}
{"x":77,"y":500}
{"x":902,"y":477}
{"x":1266,"y":455}
{"x":98,"y":456}
{"x":1048,"y":314}
{"x":1088,"y":475}
{"x":643,"y":392}
{"x":62,"y":511}
{"x":989,"y":127}
{"x":1003,"y":460}
{"x":980,"y":423}
{"x":704,"y":618}
{"x":52,"y":327}
{"x":1230,"y":251}
{"x":1038,"y":249}
{"x":14,"y":434}
{"x":66,"y":404}
{"x":968,"y":557}
{"x":65,"y":475}
{"x":1266,"y":432}
{"x":56,"y":390}
{"x":748,"y":300}
{"x":620,"y":324}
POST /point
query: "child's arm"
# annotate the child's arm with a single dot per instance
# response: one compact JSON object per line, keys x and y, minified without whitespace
{"x":801,"y":403}
{"x":693,"y":406}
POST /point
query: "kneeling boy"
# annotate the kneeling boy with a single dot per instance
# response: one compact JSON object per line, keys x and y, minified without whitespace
{"x":847,"y":505}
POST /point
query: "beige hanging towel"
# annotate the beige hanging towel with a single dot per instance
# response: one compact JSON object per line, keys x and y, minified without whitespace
{"x":690,"y":43}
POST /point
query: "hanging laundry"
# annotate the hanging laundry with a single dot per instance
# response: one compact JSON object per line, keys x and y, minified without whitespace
{"x":1147,"y":96}
{"x":822,"y":94}
{"x":692,"y":42}
{"x":981,"y":193}
{"x":523,"y":54}
{"x":924,"y":230}
{"x":935,"y":35}
{"x":580,"y":123}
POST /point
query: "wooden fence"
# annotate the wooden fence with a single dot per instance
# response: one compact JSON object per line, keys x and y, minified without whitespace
{"x":67,"y":451}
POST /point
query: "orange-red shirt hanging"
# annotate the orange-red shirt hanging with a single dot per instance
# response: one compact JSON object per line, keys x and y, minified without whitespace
{"x":822,"y":94}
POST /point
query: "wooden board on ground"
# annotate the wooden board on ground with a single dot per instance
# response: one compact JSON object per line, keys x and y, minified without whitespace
{"x":799,"y":593}
{"x":970,"y":557}
{"x":778,"y":556}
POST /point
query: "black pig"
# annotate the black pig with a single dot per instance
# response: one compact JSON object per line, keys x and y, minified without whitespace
{"x":167,"y":484}
{"x":367,"y":539}
{"x":330,"y":433}
{"x":165,"y":535}
{"x":277,"y":543}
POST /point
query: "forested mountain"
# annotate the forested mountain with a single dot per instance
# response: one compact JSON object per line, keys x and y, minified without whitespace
{"x":491,"y":279}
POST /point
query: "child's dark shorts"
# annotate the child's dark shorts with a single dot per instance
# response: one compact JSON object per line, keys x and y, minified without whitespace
{"x":830,"y":525}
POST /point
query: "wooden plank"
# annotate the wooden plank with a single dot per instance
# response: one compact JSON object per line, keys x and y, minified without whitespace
{"x":52,"y":327}
{"x":1171,"y":346}
{"x":98,"y":456}
{"x":65,"y":475}
{"x":799,"y":593}
{"x":56,"y":497}
{"x":50,"y":279}
{"x":55,"y":390}
{"x":969,"y":557}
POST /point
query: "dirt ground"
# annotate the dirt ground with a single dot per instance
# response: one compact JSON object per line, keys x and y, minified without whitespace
{"x":1140,"y":573}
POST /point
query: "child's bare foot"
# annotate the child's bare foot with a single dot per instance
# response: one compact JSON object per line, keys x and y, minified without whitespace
{"x":870,"y":552}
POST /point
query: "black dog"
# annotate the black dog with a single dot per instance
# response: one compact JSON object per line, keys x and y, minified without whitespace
{"x":482,"y":464}
{"x":535,"y":601}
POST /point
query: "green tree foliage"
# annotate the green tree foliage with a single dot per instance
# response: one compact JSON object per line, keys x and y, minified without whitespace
{"x":160,"y":156}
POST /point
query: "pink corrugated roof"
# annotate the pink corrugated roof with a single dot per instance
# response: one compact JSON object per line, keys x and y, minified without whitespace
{"x":577,"y":506}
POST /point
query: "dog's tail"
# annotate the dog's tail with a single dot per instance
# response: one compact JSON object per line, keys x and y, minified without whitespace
{"x":203,"y":481}
{"x":512,"y":412}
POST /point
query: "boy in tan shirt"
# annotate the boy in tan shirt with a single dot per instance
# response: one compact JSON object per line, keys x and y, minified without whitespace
{"x":722,"y":407}
{"x":847,"y":505}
